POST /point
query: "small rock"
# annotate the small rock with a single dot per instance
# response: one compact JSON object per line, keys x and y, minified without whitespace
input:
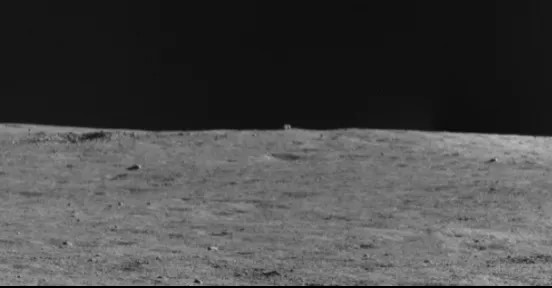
{"x":367,"y":246}
{"x":271,"y":273}
{"x":212,"y":248}
{"x":223,"y":233}
{"x":197,"y":281}
{"x":287,"y":127}
{"x":67,"y":243}
{"x":492,"y":160}
{"x":221,"y":136}
{"x":134,"y":167}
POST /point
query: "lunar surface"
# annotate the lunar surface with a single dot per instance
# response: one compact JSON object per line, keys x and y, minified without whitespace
{"x":284,"y":207}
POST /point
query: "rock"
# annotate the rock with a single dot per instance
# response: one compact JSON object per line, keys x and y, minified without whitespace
{"x":492,"y":160}
{"x":134,"y":167}
{"x":271,"y":273}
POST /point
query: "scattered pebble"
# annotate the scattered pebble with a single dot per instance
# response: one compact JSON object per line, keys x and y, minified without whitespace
{"x":197,"y":281}
{"x":67,"y":243}
{"x":212,"y":248}
{"x":287,"y":127}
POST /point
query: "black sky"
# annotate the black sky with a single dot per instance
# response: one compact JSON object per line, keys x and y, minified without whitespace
{"x":479,"y":66}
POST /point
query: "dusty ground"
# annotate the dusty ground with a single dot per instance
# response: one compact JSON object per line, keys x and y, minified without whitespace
{"x":300,"y":207}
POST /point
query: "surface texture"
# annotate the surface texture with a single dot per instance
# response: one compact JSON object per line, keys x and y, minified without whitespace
{"x":300,"y":207}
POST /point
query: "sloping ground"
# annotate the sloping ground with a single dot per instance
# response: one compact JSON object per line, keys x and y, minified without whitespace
{"x":302,"y":207}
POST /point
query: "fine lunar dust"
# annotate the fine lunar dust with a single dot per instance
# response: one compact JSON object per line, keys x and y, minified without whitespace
{"x":285,"y":207}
